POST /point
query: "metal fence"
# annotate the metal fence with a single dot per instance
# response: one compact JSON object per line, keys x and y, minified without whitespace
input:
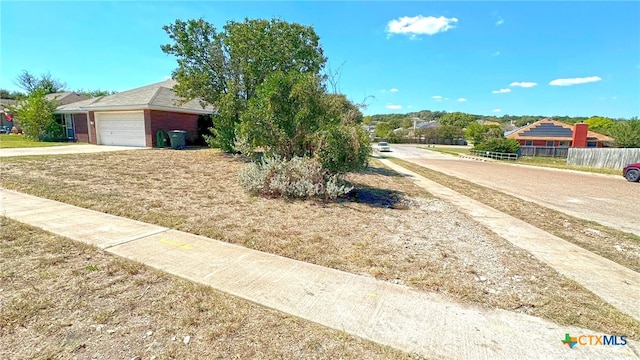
{"x":495,"y":155}
{"x":612,"y":158}
{"x":547,"y":151}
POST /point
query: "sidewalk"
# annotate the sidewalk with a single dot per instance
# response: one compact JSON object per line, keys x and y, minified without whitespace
{"x":393,"y":315}
{"x":614,"y":283}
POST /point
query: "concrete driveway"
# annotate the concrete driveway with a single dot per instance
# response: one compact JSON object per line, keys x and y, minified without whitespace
{"x":607,"y":199}
{"x":63,"y":150}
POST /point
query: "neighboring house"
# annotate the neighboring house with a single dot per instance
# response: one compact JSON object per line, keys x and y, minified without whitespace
{"x":132,"y":118}
{"x":552,"y":133}
{"x":4,"y":112}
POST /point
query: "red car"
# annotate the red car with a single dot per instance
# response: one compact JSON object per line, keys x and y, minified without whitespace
{"x":631,"y":172}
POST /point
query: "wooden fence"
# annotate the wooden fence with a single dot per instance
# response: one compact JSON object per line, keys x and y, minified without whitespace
{"x":612,"y":158}
{"x":543,"y":151}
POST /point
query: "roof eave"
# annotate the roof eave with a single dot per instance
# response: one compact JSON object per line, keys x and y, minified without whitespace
{"x":146,"y":107}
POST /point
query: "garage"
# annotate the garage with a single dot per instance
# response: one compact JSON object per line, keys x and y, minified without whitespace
{"x":123,"y":128}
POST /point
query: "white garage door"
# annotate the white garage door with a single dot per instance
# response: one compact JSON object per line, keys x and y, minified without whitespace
{"x":124,"y":128}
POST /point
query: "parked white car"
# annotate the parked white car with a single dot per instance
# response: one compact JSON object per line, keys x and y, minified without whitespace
{"x":383,"y":146}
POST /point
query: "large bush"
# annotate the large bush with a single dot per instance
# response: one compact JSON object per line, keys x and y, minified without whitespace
{"x":294,"y":178}
{"x":343,"y":148}
{"x":35,"y":115}
{"x":499,"y":145}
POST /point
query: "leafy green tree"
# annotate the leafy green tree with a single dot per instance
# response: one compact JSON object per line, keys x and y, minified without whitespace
{"x":382,"y":129}
{"x":291,"y":115}
{"x":11,"y":95}
{"x":284,"y":115}
{"x":475,"y":132}
{"x":450,"y":132}
{"x":599,"y":124}
{"x":457,"y":119}
{"x":626,"y":133}
{"x":225,"y":68}
{"x":46,"y":82}
{"x":35,"y":115}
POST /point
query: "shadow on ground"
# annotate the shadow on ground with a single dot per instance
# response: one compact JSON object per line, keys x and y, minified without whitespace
{"x":377,"y":197}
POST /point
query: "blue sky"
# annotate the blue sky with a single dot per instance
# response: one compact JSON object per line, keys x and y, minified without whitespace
{"x":490,"y":58}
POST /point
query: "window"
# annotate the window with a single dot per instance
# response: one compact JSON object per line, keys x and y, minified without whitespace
{"x":563,"y":144}
{"x":550,"y":143}
{"x":528,"y":143}
{"x":592,"y":144}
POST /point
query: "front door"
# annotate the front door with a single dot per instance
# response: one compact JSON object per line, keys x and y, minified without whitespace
{"x":68,"y":126}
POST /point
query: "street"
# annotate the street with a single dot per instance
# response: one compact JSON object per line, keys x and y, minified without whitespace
{"x":606,"y":199}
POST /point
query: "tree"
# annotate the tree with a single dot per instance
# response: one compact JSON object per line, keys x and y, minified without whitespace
{"x":30,"y":83}
{"x":457,"y":119}
{"x":35,"y":115}
{"x":599,"y":124}
{"x":225,"y":68}
{"x":11,"y":95}
{"x":382,"y":129}
{"x":291,"y":116}
{"x":626,"y":133}
{"x":450,"y":132}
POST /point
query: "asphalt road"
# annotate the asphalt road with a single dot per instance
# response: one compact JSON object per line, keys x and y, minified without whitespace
{"x":607,"y":199}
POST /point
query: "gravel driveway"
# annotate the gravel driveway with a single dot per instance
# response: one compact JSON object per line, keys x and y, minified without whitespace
{"x":606,"y":199}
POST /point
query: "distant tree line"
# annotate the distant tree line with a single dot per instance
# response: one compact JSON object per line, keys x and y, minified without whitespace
{"x":626,"y":132}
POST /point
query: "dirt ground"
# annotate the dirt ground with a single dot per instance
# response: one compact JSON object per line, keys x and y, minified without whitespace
{"x":389,"y":228}
{"x":64,"y":300}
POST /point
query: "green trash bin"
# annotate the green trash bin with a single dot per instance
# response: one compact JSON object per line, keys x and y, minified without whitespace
{"x":161,"y":139}
{"x":178,"y":139}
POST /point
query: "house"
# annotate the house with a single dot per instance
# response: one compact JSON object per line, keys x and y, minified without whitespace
{"x":5,"y":117}
{"x":132,"y":118}
{"x":552,"y":133}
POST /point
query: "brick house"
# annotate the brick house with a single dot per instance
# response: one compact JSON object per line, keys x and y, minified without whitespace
{"x":552,"y":133}
{"x":132,"y":118}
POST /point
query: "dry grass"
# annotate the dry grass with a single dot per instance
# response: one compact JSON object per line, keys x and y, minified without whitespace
{"x":615,"y":245}
{"x":61,"y":299}
{"x":390,"y":229}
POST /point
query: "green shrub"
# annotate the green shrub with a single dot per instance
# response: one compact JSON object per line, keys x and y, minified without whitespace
{"x":295,"y":178}
{"x":499,"y":145}
{"x":343,"y":148}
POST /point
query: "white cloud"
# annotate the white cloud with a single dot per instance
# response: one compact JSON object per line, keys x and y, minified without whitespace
{"x":409,"y":107}
{"x":393,"y":107}
{"x":419,"y":25}
{"x":462,"y":99}
{"x":446,"y":98}
{"x":437,"y":97}
{"x":496,"y":53}
{"x":574,"y":81}
{"x":393,"y":90}
{"x":496,"y":110}
{"x":523,"y":84}
{"x":500,"y":21}
{"x":501,"y":91}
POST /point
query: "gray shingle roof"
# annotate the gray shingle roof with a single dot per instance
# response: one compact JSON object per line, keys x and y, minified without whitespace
{"x":159,"y":96}
{"x":64,"y":98}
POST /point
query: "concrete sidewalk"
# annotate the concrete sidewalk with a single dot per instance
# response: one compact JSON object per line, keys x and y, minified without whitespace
{"x":393,"y":315}
{"x":614,"y":283}
{"x":63,"y":150}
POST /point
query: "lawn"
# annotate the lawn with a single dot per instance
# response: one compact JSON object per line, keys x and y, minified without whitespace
{"x":61,"y":300}
{"x":388,"y":228}
{"x":19,"y":141}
